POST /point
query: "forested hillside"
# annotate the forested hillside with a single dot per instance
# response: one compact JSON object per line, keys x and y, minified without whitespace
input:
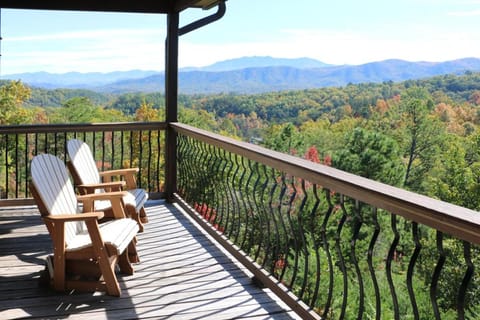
{"x":421,"y":135}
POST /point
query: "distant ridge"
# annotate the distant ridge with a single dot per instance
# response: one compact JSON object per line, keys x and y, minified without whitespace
{"x":244,"y":79}
{"x":260,"y":62}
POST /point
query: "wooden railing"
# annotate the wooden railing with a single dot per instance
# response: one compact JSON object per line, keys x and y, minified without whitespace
{"x":346,"y":246}
{"x":114,"y":145}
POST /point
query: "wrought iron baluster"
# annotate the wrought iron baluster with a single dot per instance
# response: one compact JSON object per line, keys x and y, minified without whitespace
{"x":390,"y":257}
{"x":281,"y":214}
{"x":235,"y":193}
{"x":228,"y":200}
{"x":341,"y":260}
{"x":326,"y":248}
{"x":436,"y":274}
{"x":272,"y":206}
{"x":290,"y":231}
{"x":371,"y":247}
{"x":17,"y":182}
{"x":357,"y":224}
{"x":122,"y":148}
{"x":7,"y":165}
{"x":205,"y":157}
{"x":103,"y":150}
{"x":266,"y":199}
{"x":157,"y":163}
{"x":27,"y":162}
{"x":462,"y":292}
{"x":149,"y":158}
{"x":315,"y":243}
{"x":411,"y":267}
{"x":303,"y":241}
{"x":112,"y":148}
{"x":244,"y":197}
{"x":259,"y":210}
{"x":140,"y":158}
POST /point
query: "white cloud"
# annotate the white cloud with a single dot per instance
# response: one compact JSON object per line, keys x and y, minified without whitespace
{"x":85,"y":51}
{"x":342,"y":47}
{"x":472,"y":13}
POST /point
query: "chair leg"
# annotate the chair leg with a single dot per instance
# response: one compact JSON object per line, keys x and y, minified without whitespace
{"x":124,"y":263}
{"x":143,"y":215}
{"x":135,"y":216}
{"x":132,"y":252}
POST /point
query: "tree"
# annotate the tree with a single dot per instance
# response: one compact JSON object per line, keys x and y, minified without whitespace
{"x":421,"y":135}
{"x":12,"y":96}
{"x":372,"y":155}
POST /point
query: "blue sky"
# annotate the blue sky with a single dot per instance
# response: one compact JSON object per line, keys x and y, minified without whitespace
{"x":336,"y":32}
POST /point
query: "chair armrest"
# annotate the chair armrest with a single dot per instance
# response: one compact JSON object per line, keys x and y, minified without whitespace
{"x":108,"y":186}
{"x":115,"y":198}
{"x":102,"y":196}
{"x":75,"y":217}
{"x":127,"y":173}
{"x":119,"y":172}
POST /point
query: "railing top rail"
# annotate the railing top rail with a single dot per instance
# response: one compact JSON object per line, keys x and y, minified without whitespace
{"x":460,"y":222}
{"x":82,"y":127}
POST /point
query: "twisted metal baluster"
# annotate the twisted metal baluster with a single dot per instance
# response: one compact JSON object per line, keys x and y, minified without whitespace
{"x":436,"y":274}
{"x":181,"y":172}
{"x":205,"y":159}
{"x":291,"y":236}
{"x":187,"y":174}
{"x":260,"y":211}
{"x":358,"y":221}
{"x":303,"y":241}
{"x":218,"y":199}
{"x":313,"y":232}
{"x":411,"y":267}
{"x":326,"y":249}
{"x":391,"y":253}
{"x":223,"y":191}
{"x":233,"y":192}
{"x":276,"y":234}
{"x":286,"y":247}
{"x":341,"y":260}
{"x":462,"y":292}
{"x":245,"y":195}
{"x":371,"y":247}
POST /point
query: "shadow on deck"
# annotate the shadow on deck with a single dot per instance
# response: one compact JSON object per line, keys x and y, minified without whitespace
{"x":182,"y":275}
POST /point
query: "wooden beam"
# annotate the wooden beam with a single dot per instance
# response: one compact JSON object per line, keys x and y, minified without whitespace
{"x":140,"y":6}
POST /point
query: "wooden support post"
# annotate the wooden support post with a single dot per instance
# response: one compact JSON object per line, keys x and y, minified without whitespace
{"x":171,"y":101}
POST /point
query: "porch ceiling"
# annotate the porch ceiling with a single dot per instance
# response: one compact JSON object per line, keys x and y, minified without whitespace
{"x":142,"y":6}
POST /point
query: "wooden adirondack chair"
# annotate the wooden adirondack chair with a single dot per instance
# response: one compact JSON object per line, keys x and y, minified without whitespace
{"x":88,"y":179}
{"x":85,"y":253}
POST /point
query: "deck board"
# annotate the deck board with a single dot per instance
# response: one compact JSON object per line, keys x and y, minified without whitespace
{"x":182,"y":275}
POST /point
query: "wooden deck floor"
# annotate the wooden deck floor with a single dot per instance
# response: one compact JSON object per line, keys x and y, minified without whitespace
{"x":182,"y":275}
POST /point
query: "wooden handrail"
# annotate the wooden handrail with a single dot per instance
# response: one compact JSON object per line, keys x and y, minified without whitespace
{"x":451,"y":219}
{"x":83,"y":127}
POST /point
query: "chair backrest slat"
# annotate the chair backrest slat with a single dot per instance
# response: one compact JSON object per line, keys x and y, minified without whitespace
{"x":54,"y":187}
{"x":83,"y":160}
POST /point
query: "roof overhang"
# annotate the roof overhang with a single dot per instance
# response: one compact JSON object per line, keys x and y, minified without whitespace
{"x":140,"y":6}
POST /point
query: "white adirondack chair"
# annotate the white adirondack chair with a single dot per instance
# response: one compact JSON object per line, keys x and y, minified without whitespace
{"x":85,"y":252}
{"x":88,"y":179}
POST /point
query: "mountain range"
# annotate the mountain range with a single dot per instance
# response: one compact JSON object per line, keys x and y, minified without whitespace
{"x":250,"y":75}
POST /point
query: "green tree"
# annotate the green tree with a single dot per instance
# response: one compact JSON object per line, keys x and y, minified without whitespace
{"x":372,"y":155}
{"x":421,"y":134}
{"x":12,"y":96}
